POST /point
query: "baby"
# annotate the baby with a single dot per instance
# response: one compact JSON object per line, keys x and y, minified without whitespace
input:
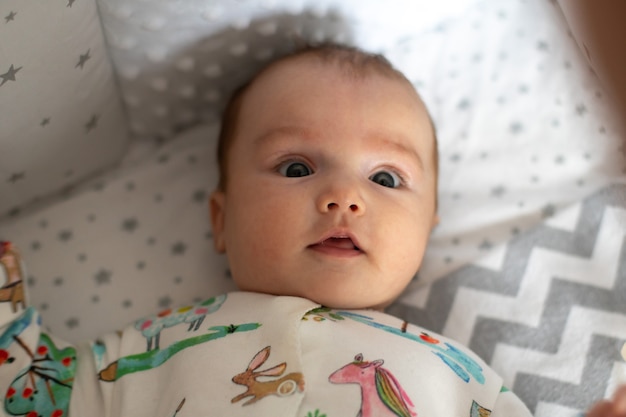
{"x":328,"y":183}
{"x":326,"y":200}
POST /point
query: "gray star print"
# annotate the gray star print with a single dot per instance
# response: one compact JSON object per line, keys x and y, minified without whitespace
{"x":498,"y":191}
{"x":165,"y":302}
{"x":10,"y":17}
{"x":92,"y":123}
{"x":72,"y":322}
{"x":9,"y":75}
{"x":485,"y":245}
{"x":129,"y":225}
{"x":65,"y":235}
{"x":103,"y":277}
{"x":199,"y":196}
{"x":516,"y":127}
{"x":16,"y":177}
{"x":83,"y":59}
{"x":463,"y":104}
{"x":548,"y":210}
{"x":179,"y":248}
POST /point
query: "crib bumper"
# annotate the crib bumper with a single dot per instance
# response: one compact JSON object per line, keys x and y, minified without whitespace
{"x":62,"y":119}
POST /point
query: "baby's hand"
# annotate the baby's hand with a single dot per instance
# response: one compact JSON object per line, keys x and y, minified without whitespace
{"x":615,"y":407}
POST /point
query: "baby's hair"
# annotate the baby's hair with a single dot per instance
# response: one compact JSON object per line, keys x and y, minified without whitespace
{"x":354,"y":63}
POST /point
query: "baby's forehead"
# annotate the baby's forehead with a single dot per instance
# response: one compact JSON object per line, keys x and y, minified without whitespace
{"x":324,"y":70}
{"x":308,"y":69}
{"x":349,"y":69}
{"x":312,"y":69}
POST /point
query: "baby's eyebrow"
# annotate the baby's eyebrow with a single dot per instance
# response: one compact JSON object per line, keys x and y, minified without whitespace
{"x":283,"y":133}
{"x":400,"y":146}
{"x":394,"y":141}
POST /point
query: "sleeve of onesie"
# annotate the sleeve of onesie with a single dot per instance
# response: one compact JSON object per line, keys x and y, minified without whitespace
{"x":509,"y":405}
{"x":37,"y":371}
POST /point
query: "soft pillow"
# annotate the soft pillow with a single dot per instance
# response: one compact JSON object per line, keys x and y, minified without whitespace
{"x":61,"y":115}
{"x":525,"y":129}
{"x":179,"y":61}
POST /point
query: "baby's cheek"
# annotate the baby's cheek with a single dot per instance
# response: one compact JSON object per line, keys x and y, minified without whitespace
{"x":412,"y":246}
{"x":266,"y":235}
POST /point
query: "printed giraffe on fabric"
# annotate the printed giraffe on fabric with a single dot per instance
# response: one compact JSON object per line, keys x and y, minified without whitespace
{"x":381,"y":393}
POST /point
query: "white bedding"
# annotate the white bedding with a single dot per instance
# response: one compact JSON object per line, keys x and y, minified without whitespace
{"x":524,"y":130}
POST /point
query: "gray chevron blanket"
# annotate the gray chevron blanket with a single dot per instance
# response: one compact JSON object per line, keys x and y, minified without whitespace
{"x":552,"y":318}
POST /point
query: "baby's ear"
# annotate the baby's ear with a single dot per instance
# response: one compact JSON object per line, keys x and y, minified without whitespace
{"x":216,"y":207}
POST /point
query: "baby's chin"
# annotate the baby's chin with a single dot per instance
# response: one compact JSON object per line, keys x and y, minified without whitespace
{"x":335,"y":298}
{"x":348,"y":302}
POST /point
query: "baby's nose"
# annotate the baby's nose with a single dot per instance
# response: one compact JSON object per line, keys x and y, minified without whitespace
{"x":342,"y":197}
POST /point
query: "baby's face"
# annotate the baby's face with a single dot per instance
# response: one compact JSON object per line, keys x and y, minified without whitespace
{"x":331,"y":187}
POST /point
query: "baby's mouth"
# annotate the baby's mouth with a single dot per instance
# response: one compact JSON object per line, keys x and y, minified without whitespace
{"x":340,"y":243}
{"x":341,"y":246}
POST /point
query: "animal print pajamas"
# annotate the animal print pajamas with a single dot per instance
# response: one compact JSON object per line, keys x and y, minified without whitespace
{"x":245,"y":354}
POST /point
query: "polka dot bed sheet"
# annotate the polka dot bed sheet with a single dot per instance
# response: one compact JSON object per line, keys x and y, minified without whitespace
{"x":525,"y":134}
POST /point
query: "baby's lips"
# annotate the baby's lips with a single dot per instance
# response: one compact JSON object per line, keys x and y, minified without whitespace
{"x":339,"y":239}
{"x":340,"y":243}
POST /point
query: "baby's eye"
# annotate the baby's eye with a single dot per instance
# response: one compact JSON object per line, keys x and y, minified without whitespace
{"x":386,"y":179}
{"x":295,"y":169}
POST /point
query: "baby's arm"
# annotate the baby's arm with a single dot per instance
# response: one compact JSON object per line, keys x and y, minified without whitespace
{"x":615,"y":407}
{"x":36,"y":370}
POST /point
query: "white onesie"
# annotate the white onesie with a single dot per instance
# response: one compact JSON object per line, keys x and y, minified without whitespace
{"x":247,"y":354}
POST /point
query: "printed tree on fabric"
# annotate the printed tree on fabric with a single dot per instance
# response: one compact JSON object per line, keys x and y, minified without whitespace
{"x":44,"y":387}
